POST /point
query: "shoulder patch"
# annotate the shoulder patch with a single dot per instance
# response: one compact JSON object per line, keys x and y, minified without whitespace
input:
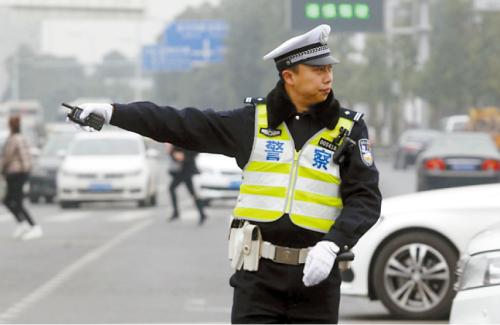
{"x":365,"y":151}
{"x":254,"y":100}
{"x":350,"y":114}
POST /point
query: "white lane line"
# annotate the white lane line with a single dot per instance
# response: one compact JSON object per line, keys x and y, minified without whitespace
{"x":64,"y":275}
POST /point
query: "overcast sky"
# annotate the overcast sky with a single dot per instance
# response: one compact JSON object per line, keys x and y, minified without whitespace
{"x":167,"y":9}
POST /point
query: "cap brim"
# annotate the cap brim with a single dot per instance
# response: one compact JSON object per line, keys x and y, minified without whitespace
{"x":322,"y":61}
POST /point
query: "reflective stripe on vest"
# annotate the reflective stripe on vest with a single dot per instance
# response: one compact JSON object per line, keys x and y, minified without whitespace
{"x":279,"y":180}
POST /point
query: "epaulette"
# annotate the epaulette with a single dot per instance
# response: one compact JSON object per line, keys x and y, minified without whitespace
{"x":254,"y":100}
{"x":351,"y":115}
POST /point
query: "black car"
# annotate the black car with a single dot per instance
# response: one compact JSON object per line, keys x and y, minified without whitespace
{"x":411,"y":144}
{"x":42,"y":183}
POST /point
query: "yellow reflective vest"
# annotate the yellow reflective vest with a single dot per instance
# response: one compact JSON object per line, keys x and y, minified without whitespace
{"x":278,"y":180}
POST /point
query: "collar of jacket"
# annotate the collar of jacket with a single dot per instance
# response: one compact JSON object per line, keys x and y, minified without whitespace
{"x":280,"y":108}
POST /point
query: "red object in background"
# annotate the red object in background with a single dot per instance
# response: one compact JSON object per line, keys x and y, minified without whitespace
{"x":434,"y":164}
{"x":491,"y":164}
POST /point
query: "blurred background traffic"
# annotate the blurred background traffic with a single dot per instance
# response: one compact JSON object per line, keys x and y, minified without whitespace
{"x":424,"y":73}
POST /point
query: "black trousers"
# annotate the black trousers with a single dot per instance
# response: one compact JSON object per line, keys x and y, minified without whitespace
{"x":14,"y":197}
{"x":177,"y":179}
{"x":276,"y":294}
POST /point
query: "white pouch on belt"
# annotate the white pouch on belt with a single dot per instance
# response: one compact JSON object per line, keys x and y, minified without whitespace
{"x":244,"y":247}
{"x":236,"y":248}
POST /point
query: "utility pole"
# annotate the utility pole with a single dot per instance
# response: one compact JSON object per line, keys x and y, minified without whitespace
{"x":423,"y":30}
{"x":419,"y":29}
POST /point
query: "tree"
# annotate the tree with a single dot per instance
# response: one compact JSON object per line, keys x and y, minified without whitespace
{"x":462,"y":71}
{"x":255,"y":28}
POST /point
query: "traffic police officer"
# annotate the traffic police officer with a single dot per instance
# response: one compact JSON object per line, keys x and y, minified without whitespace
{"x":309,"y":180}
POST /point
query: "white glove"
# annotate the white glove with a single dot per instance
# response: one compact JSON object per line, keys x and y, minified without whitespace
{"x":102,"y":109}
{"x":319,"y":262}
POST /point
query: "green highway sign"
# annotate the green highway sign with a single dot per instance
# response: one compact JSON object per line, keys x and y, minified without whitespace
{"x":342,"y":15}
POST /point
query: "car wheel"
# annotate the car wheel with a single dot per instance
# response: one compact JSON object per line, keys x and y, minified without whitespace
{"x":49,"y":199}
{"x":34,"y":198}
{"x":68,"y":204}
{"x":414,"y":275}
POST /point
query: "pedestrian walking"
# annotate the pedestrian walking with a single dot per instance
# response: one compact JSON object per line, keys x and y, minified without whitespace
{"x":16,"y":164}
{"x":182,"y":169}
{"x":309,"y":189}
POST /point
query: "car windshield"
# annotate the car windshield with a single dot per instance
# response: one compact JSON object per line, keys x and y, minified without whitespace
{"x":423,"y":136}
{"x":105,"y":147}
{"x":56,"y":143}
{"x":457,"y":142}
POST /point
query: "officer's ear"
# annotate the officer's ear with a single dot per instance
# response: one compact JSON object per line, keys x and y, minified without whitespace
{"x":288,"y":75}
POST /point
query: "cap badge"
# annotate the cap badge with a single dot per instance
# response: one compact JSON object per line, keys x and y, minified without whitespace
{"x":323,"y":37}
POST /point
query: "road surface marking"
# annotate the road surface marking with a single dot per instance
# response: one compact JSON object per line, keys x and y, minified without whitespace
{"x":64,"y":275}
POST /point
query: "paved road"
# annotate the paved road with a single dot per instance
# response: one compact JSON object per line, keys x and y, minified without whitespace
{"x":122,"y":264}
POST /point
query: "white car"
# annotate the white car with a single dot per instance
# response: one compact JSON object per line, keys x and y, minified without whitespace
{"x":455,"y":123}
{"x":478,"y":297}
{"x":108,"y":166}
{"x":408,"y":259}
{"x":219,"y":177}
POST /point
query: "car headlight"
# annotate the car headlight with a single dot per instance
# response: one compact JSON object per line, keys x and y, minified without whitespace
{"x":481,"y":270}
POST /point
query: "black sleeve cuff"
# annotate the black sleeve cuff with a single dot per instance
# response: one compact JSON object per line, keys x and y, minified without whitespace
{"x":342,"y":240}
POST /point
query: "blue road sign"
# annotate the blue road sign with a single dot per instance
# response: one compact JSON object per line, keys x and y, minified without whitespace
{"x":185,"y":44}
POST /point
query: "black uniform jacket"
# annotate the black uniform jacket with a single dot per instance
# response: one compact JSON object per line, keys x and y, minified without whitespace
{"x":231,"y":133}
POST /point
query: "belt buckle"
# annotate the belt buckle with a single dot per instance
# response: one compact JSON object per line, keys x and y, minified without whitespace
{"x":286,"y":255}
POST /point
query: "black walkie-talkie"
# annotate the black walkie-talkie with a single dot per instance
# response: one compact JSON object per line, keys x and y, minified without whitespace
{"x":93,"y":120}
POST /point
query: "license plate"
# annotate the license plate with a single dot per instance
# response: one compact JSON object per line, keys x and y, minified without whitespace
{"x":99,"y":187}
{"x":463,"y":167}
{"x":235,"y":185}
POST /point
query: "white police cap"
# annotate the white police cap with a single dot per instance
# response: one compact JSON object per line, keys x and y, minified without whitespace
{"x":310,"y":48}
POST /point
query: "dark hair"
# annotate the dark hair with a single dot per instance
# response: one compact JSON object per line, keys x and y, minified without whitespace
{"x":15,"y":124}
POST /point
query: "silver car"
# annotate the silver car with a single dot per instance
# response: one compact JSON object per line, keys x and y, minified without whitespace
{"x":458,"y":159}
{"x":478,"y":296}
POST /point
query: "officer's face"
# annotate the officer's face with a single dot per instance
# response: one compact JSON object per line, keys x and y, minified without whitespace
{"x":312,"y":83}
